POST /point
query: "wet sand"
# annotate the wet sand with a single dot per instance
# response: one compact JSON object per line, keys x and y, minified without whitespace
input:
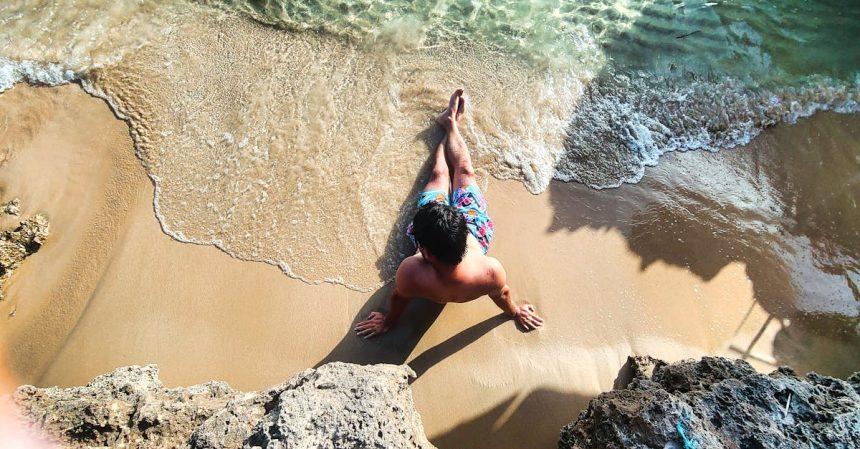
{"x":615,"y":272}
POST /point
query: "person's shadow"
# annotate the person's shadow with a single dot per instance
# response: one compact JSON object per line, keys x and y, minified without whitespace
{"x":396,"y":345}
{"x":393,"y":346}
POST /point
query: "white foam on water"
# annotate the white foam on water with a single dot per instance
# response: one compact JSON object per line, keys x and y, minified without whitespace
{"x":33,"y":72}
{"x":626,"y":122}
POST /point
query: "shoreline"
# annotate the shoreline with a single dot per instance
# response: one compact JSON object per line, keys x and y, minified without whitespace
{"x":109,"y":288}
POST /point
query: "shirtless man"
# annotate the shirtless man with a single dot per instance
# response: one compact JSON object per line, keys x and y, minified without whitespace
{"x":453,"y":232}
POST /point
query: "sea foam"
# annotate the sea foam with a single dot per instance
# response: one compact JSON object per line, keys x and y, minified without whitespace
{"x":626,"y":122}
{"x":33,"y":72}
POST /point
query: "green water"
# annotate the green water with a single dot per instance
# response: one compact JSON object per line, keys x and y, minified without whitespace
{"x":775,"y":41}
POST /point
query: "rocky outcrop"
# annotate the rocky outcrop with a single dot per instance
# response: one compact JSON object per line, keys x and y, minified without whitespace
{"x":19,"y":243}
{"x":338,"y":405}
{"x":12,"y":207}
{"x":719,"y":403}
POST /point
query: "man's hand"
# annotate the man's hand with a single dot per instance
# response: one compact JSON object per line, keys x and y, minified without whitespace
{"x":528,"y":318}
{"x":372,"y":326}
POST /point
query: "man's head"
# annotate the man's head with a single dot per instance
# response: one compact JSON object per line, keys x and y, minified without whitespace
{"x":440,"y":229}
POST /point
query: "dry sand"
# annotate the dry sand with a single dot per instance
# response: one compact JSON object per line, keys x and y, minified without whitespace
{"x":110,"y":289}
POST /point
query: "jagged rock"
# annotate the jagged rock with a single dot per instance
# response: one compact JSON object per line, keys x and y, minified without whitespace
{"x":338,"y":405}
{"x":343,"y":409}
{"x":12,"y":207}
{"x":19,"y":243}
{"x":719,"y":403}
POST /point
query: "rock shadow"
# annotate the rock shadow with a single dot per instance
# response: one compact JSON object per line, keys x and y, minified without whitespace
{"x":784,"y":206}
{"x":532,"y":420}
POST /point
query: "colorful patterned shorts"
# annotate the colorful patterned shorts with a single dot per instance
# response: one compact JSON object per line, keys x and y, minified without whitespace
{"x":470,"y":202}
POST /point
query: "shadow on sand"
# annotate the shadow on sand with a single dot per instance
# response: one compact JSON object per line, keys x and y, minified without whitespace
{"x":395,"y":345}
{"x":791,"y":192}
{"x":531,"y":420}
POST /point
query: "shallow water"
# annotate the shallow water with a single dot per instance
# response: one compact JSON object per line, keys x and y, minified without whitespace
{"x":302,"y":141}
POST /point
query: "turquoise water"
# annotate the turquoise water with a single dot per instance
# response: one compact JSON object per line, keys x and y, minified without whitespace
{"x":769,"y":41}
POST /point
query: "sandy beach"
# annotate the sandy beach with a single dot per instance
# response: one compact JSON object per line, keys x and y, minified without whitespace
{"x":613,"y":272}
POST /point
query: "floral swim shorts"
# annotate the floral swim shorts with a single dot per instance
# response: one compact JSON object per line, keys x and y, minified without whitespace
{"x":470,"y":202}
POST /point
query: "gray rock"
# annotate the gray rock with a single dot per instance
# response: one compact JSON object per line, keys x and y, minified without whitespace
{"x":19,"y":243}
{"x":338,"y":405}
{"x":12,"y":207}
{"x":343,"y":409}
{"x":719,"y":403}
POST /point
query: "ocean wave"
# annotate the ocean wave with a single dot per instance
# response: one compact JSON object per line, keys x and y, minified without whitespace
{"x":545,"y":31}
{"x":81,"y":34}
{"x":625,"y":122}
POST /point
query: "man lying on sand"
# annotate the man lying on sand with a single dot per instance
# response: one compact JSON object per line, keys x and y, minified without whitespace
{"x":453,"y":232}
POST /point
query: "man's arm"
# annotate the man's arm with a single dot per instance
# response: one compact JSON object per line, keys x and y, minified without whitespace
{"x":396,"y":305}
{"x":525,"y":314}
{"x":379,"y":323}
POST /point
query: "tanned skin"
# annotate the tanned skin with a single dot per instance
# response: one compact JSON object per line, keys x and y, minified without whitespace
{"x":423,"y":275}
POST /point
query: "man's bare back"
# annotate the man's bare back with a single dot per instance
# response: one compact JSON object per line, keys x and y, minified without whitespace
{"x":448,"y":267}
{"x":475,"y":276}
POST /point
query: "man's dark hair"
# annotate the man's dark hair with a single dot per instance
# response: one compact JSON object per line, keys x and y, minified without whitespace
{"x":441,"y":230}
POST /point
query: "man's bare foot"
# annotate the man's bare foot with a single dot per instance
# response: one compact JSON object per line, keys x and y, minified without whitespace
{"x":528,"y":318}
{"x":451,"y":116}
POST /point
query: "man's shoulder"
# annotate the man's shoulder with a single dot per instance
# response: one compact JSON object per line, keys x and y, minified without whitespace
{"x":411,"y":264}
{"x":493,"y":263}
{"x":410,"y":273}
{"x":495,"y":271}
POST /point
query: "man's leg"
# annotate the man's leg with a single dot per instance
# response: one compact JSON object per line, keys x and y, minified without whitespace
{"x":463,"y":173}
{"x":456,"y":152}
{"x":440,"y":177}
